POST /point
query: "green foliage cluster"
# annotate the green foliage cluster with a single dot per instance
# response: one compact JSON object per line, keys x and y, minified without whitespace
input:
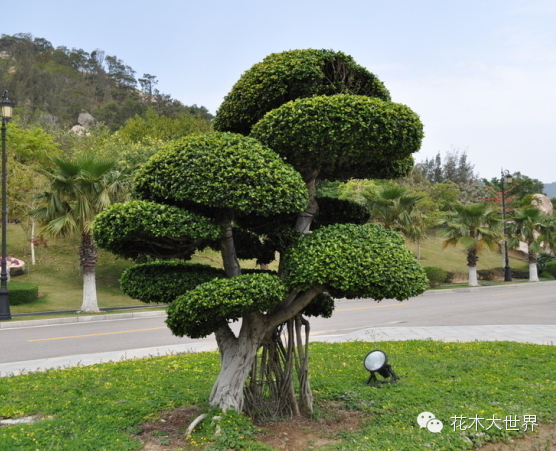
{"x":31,"y":146}
{"x":223,"y":171}
{"x":291,"y":75}
{"x":376,"y":136}
{"x":435,"y":275}
{"x":204,"y":309}
{"x":339,"y":211}
{"x":323,"y":306}
{"x":164,"y":281}
{"x":550,"y":268}
{"x":230,"y":430}
{"x":137,"y":228}
{"x":543,"y":258}
{"x":153,"y":126}
{"x":355,"y":261}
{"x":490,"y":274}
{"x":22,"y":292}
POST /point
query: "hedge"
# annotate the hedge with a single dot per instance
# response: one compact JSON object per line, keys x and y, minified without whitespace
{"x":22,"y":292}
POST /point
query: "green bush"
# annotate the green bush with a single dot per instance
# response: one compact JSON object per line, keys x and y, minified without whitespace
{"x":519,"y":273}
{"x":435,"y":275}
{"x":542,"y":259}
{"x":22,"y":292}
{"x":452,"y":276}
{"x":550,"y":268}
{"x":490,"y":274}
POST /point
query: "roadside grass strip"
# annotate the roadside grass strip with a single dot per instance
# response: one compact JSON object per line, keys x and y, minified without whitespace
{"x":478,"y":392}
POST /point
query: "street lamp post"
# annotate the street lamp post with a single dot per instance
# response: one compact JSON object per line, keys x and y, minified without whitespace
{"x":505,"y":175}
{"x":7,"y":110}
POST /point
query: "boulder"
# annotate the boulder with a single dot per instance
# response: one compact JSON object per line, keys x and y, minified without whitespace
{"x":85,"y":119}
{"x":543,"y":203}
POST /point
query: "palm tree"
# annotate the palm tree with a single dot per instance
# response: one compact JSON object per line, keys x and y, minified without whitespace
{"x":531,"y":226}
{"x":80,"y":188}
{"x":474,"y":226}
{"x":398,"y":210}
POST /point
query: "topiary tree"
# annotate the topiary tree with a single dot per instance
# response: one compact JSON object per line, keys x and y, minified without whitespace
{"x":258,"y":191}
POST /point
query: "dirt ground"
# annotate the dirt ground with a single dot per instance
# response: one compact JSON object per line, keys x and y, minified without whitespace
{"x":304,"y":434}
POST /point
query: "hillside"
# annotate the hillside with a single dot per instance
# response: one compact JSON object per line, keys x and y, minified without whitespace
{"x":53,"y":86}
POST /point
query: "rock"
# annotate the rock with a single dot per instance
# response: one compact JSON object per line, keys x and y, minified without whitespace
{"x":85,"y":119}
{"x":79,"y":130}
{"x":543,"y":203}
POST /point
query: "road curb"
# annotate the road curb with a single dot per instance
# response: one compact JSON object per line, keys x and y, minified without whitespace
{"x":79,"y":319}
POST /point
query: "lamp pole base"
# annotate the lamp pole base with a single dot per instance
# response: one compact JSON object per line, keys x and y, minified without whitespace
{"x":4,"y":305}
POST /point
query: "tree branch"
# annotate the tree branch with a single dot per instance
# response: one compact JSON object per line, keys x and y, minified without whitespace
{"x":301,"y":301}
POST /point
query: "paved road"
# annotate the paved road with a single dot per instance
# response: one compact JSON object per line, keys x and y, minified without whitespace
{"x":520,"y":312}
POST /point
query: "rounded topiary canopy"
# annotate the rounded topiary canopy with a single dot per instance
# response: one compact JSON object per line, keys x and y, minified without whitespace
{"x":223,"y":171}
{"x":341,"y":135}
{"x":204,"y":309}
{"x":136,"y":228}
{"x":355,"y":261}
{"x":164,"y":281}
{"x":290,"y":75}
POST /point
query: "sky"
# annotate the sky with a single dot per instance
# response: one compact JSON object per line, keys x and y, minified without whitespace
{"x":481,"y":74}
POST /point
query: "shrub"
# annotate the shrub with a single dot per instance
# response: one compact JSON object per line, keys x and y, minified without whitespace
{"x":435,"y":275}
{"x":542,"y":259}
{"x":22,"y":292}
{"x":490,"y":274}
{"x":550,"y":268}
{"x":519,"y":273}
{"x":456,"y":276}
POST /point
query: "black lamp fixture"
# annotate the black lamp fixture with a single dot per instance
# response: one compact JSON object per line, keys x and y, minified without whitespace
{"x":377,"y":362}
{"x":7,"y":112}
{"x":507,"y":177}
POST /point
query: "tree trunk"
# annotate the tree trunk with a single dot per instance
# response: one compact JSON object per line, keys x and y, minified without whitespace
{"x":88,"y":260}
{"x":305,"y":218}
{"x":228,"y":250}
{"x":237,"y":355}
{"x":533,"y":271}
{"x":32,"y":240}
{"x":473,"y":282}
{"x":472,"y":259}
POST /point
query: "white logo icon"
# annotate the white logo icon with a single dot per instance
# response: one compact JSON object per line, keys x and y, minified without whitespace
{"x":435,"y":425}
{"x":424,"y":418}
{"x":429,"y":421}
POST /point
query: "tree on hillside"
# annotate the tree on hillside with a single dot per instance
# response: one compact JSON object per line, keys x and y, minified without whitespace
{"x":397,"y":209}
{"x":258,"y":194}
{"x":521,"y":186}
{"x":79,"y":189}
{"x":454,"y":168}
{"x":474,"y":226}
{"x":55,"y":85}
{"x":531,"y":226}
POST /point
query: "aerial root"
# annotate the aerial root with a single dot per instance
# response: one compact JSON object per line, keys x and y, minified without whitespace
{"x":196,"y":421}
{"x":194,"y":424}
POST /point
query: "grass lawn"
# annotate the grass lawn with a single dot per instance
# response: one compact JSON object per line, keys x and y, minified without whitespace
{"x":454,"y":258}
{"x":112,"y":406}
